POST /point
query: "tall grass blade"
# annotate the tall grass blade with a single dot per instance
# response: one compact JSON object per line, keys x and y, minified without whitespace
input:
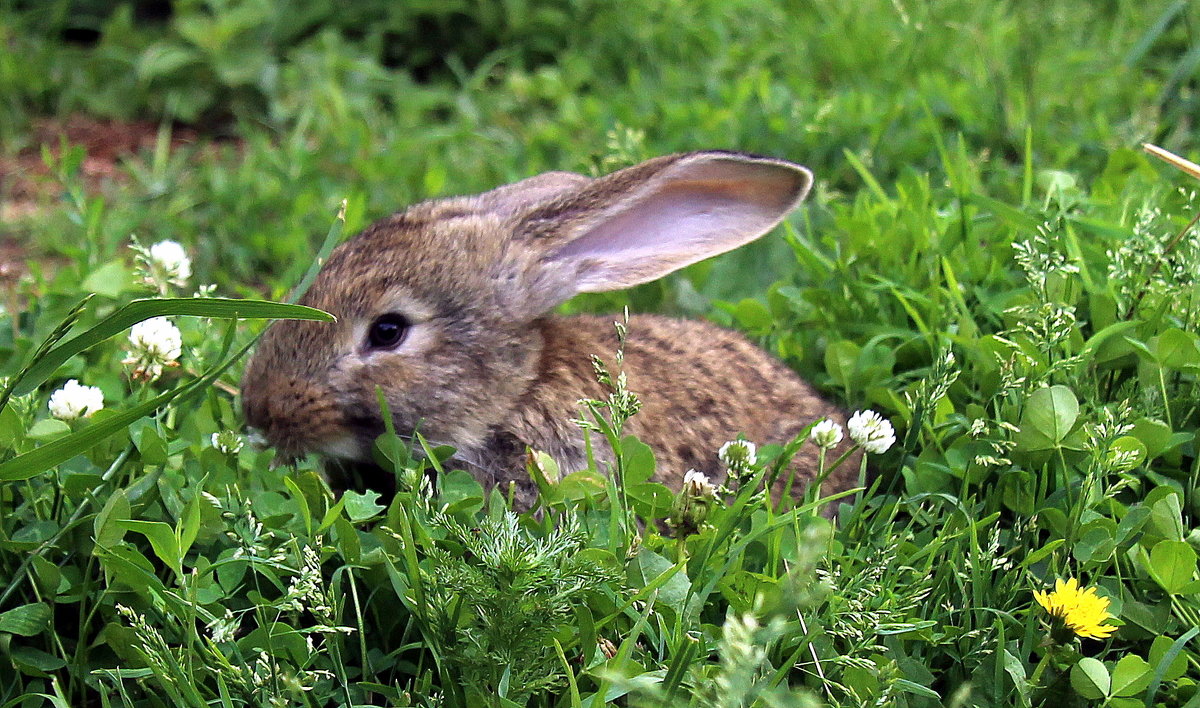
{"x":140,"y":310}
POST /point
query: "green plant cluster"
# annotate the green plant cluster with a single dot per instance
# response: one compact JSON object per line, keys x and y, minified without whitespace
{"x":987,"y":261}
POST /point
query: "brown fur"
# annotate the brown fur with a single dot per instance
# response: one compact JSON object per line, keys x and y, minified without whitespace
{"x":483,"y":368}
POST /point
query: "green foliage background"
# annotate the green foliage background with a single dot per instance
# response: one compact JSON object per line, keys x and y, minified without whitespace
{"x":980,"y":194}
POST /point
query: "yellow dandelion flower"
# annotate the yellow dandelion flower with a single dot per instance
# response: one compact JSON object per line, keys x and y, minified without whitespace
{"x":1081,"y":610}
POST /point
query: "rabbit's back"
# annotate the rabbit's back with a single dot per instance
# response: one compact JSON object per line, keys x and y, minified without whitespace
{"x":700,"y":385}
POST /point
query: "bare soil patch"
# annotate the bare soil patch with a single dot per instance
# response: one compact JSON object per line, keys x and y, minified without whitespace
{"x":27,"y":187}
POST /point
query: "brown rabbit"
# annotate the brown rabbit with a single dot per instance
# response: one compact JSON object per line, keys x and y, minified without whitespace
{"x":447,"y":307}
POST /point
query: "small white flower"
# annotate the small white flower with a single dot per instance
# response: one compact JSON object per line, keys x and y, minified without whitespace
{"x":170,"y":261}
{"x":228,"y":442}
{"x":223,"y":629}
{"x":738,"y":454}
{"x":978,"y":427}
{"x":872,"y":431}
{"x":153,"y":344}
{"x":205,"y":290}
{"x":696,"y":484}
{"x":75,"y":400}
{"x":826,"y":434}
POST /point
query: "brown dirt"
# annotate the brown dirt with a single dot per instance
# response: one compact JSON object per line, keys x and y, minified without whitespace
{"x":27,"y":187}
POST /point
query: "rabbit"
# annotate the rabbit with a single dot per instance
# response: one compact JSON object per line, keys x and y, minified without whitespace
{"x":447,"y":307}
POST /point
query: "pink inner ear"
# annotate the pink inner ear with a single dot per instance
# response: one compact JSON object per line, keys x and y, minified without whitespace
{"x":712,"y":208}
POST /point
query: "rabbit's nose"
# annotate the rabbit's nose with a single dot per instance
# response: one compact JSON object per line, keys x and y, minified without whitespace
{"x":294,"y":415}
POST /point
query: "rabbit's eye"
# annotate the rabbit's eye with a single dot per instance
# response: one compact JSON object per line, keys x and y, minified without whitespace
{"x":387,"y":331}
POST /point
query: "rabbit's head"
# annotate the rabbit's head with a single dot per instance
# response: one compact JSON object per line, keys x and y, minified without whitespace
{"x":435,"y":305}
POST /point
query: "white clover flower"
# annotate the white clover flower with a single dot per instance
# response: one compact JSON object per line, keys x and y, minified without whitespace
{"x":872,"y":431}
{"x":153,"y":344}
{"x":696,"y":484}
{"x":826,"y":434}
{"x":75,"y":400}
{"x":169,"y":261}
{"x":738,"y":454}
{"x":228,"y":442}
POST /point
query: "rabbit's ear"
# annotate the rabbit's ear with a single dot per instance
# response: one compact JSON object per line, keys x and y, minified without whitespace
{"x":641,"y":223}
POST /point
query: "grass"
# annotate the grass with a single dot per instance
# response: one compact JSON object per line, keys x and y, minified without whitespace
{"x":989,"y":260}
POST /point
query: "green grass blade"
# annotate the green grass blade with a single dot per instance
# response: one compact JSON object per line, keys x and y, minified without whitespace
{"x":46,"y":346}
{"x":1155,"y":32}
{"x":1166,"y":661}
{"x":43,"y":458}
{"x":331,"y":239}
{"x":867,"y":178}
{"x":570,"y":674}
{"x":140,"y":310}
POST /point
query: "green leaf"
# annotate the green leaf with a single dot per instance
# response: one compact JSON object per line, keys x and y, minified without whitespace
{"x":1109,"y":344}
{"x":650,"y":500}
{"x":26,"y":620}
{"x":110,"y":279}
{"x":1052,"y":412}
{"x":1160,"y":652}
{"x":1131,"y":523}
{"x":546,"y":475}
{"x":1090,"y":679}
{"x":151,"y":445}
{"x":188,"y":526}
{"x":1177,"y":349}
{"x":1096,"y":542}
{"x":360,"y":507}
{"x":1172,"y":563}
{"x":35,"y":661}
{"x":301,"y":502}
{"x":279,"y":638}
{"x":1130,"y":676}
{"x":840,"y":359}
{"x":461,"y":491}
{"x":753,"y":316}
{"x":332,"y":514}
{"x":162,"y":59}
{"x":1016,"y":672}
{"x":1010,"y":214}
{"x":49,"y":576}
{"x":11,"y":427}
{"x":105,"y":527}
{"x":1154,"y":434}
{"x":48,"y":429}
{"x":1042,"y":552}
{"x":1166,"y":516}
{"x":638,"y":459}
{"x":648,"y":570}
{"x":332,"y":237}
{"x":47,"y":345}
{"x":162,"y":540}
{"x":140,"y":310}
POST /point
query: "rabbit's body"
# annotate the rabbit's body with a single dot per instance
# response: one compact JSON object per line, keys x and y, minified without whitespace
{"x":444,"y":308}
{"x":703,"y":386}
